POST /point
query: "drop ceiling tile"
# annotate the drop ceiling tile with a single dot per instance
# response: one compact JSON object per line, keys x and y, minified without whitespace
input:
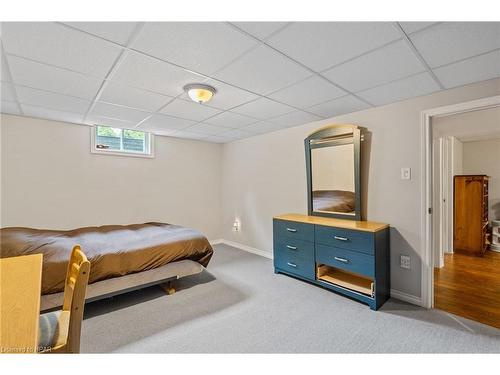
{"x":151,"y":74}
{"x":201,"y":46}
{"x":262,"y":127}
{"x":41,"y":76}
{"x":321,"y":45}
{"x":216,"y":139}
{"x":263,"y":108}
{"x":118,"y":32}
{"x":413,"y":27}
{"x":116,"y":93}
{"x":230,"y":120}
{"x":381,"y":66}
{"x":308,"y":92}
{"x":339,"y":106}
{"x":189,"y":110}
{"x":295,"y":118}
{"x":49,"y":114}
{"x":260,"y":30}
{"x":227,"y":96}
{"x":8,"y":93}
{"x":235,"y":134}
{"x":475,"y":69}
{"x":186,"y":134}
{"x":50,"y":100}
{"x":262,"y":70}
{"x":98,"y":120}
{"x":452,"y":41}
{"x":207,"y":129}
{"x":60,"y":46}
{"x":5,"y":72}
{"x":118,"y":112}
{"x":10,"y":108}
{"x":165,"y":123}
{"x":417,"y":85}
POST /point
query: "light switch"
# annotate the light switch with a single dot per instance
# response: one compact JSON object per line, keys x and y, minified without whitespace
{"x":405,"y":261}
{"x":406,"y":173}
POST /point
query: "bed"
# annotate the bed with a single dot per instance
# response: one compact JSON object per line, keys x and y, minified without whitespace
{"x":122,"y":257}
{"x":333,"y":201}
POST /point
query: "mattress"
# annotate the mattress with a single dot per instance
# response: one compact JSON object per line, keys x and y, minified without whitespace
{"x":113,"y":250}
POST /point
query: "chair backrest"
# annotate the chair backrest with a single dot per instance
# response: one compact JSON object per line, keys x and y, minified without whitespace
{"x":77,"y":277}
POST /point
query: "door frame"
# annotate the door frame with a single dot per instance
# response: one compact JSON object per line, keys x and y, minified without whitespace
{"x":427,"y":282}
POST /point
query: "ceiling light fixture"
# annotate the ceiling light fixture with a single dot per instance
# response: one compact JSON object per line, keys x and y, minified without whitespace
{"x":200,"y":93}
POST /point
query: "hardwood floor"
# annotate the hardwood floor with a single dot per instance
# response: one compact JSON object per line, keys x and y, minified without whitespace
{"x":469,"y":286}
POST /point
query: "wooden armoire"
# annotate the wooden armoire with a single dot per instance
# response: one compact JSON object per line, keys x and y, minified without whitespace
{"x":470,"y":233}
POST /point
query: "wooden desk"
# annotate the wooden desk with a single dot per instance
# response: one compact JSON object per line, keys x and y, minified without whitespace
{"x":20,"y":289}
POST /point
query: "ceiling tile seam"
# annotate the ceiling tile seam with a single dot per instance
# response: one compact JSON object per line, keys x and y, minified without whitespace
{"x":277,"y":31}
{"x":361,"y":55}
{"x":259,"y":42}
{"x":7,"y":69}
{"x":73,"y":28}
{"x":423,"y":29}
{"x":53,"y":65}
{"x":112,"y":118}
{"x":48,"y":108}
{"x":465,"y":59}
{"x":418,"y":55}
{"x":391,"y":81}
{"x":117,"y":63}
{"x":49,"y":91}
{"x":312,"y":71}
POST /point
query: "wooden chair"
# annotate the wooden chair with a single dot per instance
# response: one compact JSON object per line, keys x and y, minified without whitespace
{"x":59,"y":331}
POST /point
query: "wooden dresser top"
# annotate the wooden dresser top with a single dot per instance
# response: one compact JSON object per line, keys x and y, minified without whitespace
{"x":366,"y":226}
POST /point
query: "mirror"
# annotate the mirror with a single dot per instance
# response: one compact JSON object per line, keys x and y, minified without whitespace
{"x":332,"y":161}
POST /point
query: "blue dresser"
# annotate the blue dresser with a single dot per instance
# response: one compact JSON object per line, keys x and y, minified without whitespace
{"x":348,"y":257}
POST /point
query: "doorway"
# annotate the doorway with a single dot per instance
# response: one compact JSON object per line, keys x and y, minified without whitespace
{"x":455,"y":281}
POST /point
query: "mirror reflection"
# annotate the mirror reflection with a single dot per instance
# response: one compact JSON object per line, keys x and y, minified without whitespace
{"x":333,"y":177}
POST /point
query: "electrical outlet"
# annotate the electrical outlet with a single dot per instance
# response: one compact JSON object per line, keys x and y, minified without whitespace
{"x":405,"y":261}
{"x":406,"y":173}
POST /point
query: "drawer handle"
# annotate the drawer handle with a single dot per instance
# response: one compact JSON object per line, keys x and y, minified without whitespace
{"x":291,"y":247}
{"x":291,"y":230}
{"x":343,"y":260}
{"x":341,"y":238}
{"x":292,"y":264}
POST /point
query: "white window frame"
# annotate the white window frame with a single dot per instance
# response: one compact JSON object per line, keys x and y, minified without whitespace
{"x":149,"y":137}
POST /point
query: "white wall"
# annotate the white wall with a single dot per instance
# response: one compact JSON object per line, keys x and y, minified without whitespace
{"x":51,"y":180}
{"x":483,"y":157}
{"x":264,"y":176}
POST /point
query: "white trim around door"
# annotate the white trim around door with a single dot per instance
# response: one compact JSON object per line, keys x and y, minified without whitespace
{"x":427,"y":185}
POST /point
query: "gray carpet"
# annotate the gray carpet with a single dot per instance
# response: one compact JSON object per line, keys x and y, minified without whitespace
{"x":240,"y":306}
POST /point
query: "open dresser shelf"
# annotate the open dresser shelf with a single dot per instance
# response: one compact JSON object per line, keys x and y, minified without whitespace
{"x":344,"y":279}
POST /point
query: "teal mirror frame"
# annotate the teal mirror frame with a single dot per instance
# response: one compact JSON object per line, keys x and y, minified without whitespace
{"x":330,"y":136}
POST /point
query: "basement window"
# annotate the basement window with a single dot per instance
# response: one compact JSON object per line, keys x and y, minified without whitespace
{"x":115,"y":141}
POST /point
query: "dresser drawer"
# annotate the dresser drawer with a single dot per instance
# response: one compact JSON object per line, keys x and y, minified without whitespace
{"x":346,"y":239}
{"x":347,"y":260}
{"x":293,"y":247}
{"x":295,"y":264}
{"x":292,"y":229}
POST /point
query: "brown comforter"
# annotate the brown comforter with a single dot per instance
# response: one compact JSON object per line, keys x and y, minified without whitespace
{"x":113,"y":250}
{"x":333,"y":201}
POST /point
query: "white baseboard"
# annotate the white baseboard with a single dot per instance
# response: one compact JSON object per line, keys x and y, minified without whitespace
{"x":414,"y":300}
{"x":216,"y":242}
{"x":262,"y":253}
